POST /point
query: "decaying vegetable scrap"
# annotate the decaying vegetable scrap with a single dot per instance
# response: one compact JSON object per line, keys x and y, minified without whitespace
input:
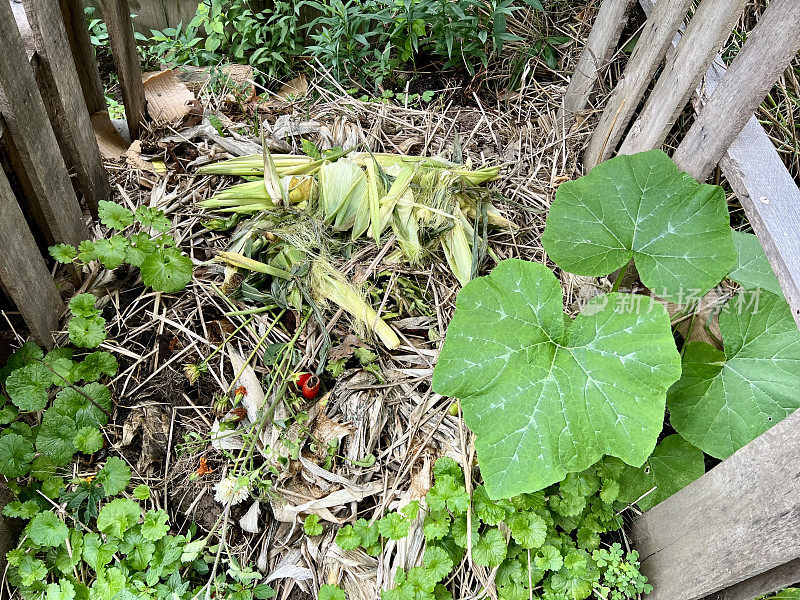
{"x":303,"y":207}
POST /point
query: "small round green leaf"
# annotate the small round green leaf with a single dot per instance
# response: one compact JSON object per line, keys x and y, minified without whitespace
{"x":63,"y":253}
{"x":46,"y":529}
{"x":28,"y":386}
{"x":166,"y":270}
{"x":88,"y":440}
{"x":114,"y":215}
{"x":16,"y":454}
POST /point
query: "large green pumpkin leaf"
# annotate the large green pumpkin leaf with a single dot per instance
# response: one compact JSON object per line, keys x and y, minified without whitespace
{"x":546,"y":398}
{"x":726,"y":399}
{"x":642,"y":207}
{"x":752,"y":269}
{"x":674,"y":464}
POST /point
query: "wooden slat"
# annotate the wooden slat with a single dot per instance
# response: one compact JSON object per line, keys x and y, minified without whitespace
{"x":704,"y":36}
{"x":23,"y":271}
{"x":74,"y":17}
{"x":69,"y":114}
{"x":38,"y":157}
{"x":769,"y":50}
{"x":739,"y":520}
{"x":766,"y":583}
{"x":126,"y":58}
{"x":651,"y":48}
{"x":601,"y":44}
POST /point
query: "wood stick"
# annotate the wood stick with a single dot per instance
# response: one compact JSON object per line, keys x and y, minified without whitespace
{"x":769,"y":50}
{"x":74,"y":17}
{"x":600,"y":46}
{"x":735,"y":522}
{"x":654,"y":41}
{"x":704,"y":36}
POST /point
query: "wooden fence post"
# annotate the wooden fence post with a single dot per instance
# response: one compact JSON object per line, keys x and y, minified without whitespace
{"x":126,"y":58}
{"x":23,"y":271}
{"x":74,"y":17}
{"x":70,"y":118}
{"x":654,"y":41}
{"x":704,"y":36}
{"x":736,"y":522}
{"x":600,"y":46}
{"x":36,"y":153}
{"x":770,"y":48}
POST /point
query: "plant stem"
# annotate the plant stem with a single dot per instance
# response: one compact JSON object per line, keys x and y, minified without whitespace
{"x":621,"y":276}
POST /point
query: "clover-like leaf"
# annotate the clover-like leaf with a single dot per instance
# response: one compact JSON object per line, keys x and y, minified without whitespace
{"x":548,"y":559}
{"x":491,"y":548}
{"x":114,"y":215}
{"x":155,"y":525}
{"x":528,"y":529}
{"x":97,"y":364}
{"x":166,"y":270}
{"x":674,"y":464}
{"x":347,"y":539}
{"x":438,"y":561}
{"x":546,"y":398}
{"x":87,"y":332}
{"x":726,"y":399}
{"x":642,"y":207}
{"x":114,"y":476}
{"x":85,"y":405}
{"x":28,"y":386}
{"x":88,"y":440}
{"x":16,"y":454}
{"x":46,"y":529}
{"x":312,"y":526}
{"x":111,"y":252}
{"x":56,"y":436}
{"x":152,"y":217}
{"x":330,"y":592}
{"x":118,"y":516}
{"x":139,"y":248}
{"x":393,"y":526}
{"x":63,"y":253}
{"x":752,"y":270}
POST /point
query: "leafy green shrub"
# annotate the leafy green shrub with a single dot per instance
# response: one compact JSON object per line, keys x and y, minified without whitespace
{"x":554,"y":538}
{"x":161,"y":264}
{"x":267,"y":39}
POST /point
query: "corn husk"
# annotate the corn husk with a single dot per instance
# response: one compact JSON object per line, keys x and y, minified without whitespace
{"x":457,"y":248}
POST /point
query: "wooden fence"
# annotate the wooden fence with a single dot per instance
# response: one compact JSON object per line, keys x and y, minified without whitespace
{"x":734,"y":534}
{"x":49,"y":88}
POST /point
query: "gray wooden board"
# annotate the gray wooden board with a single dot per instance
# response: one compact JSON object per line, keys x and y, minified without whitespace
{"x":654,"y":41}
{"x":48,"y":184}
{"x":23,"y":270}
{"x":126,"y":58}
{"x":72,"y":11}
{"x":768,"y":582}
{"x":69,"y":114}
{"x":737,"y":521}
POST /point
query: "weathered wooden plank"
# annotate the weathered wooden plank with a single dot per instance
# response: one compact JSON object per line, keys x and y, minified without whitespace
{"x":126,"y":58}
{"x":707,"y":31}
{"x":654,"y":41}
{"x":74,"y":17}
{"x":737,"y":521}
{"x":23,"y":271}
{"x":770,"y":48}
{"x":37,"y":154}
{"x":69,"y":114}
{"x":768,"y":582}
{"x":599,"y":47}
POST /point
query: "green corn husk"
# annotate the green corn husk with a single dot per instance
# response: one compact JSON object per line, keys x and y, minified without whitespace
{"x":253,"y":196}
{"x":405,"y":226}
{"x":458,"y":249}
{"x":253,"y":165}
{"x":329,"y":285}
{"x":343,"y":194}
